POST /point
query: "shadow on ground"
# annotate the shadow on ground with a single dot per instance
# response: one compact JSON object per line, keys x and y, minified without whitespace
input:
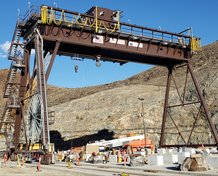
{"x":60,"y":144}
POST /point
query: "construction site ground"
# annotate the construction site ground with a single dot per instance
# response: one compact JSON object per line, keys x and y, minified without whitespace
{"x":86,"y":169}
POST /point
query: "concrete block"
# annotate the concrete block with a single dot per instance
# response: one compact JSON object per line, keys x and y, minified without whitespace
{"x":161,"y":151}
{"x":212,"y":162}
{"x":175,"y":150}
{"x":170,"y":159}
{"x":190,"y":150}
{"x":182,"y":156}
{"x":180,"y":150}
{"x":155,"y":160}
{"x":169,"y":150}
{"x":213,"y":150}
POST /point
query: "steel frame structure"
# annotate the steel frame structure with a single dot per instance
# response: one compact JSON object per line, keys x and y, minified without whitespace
{"x":128,"y":43}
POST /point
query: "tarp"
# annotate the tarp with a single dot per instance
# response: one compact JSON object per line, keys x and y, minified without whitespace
{"x":139,"y":143}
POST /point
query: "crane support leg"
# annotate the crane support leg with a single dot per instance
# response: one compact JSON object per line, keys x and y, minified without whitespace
{"x":186,"y":137}
{"x":22,"y":91}
{"x":207,"y":114}
{"x":165,"y":106}
{"x":41,"y":82}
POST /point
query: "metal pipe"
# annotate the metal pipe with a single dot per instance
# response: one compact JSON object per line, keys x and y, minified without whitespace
{"x":39,"y":80}
{"x":183,"y":104}
{"x":143,"y":118}
{"x":52,"y":59}
{"x":45,"y":93}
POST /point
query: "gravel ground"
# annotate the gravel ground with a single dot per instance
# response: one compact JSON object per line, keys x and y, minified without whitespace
{"x":11,"y":169}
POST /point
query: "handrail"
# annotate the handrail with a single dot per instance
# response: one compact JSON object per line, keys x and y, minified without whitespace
{"x":98,"y":24}
{"x":59,"y":16}
{"x":121,"y":23}
{"x":32,"y":10}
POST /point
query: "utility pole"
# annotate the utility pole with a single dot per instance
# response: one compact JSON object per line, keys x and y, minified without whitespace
{"x":143,"y":118}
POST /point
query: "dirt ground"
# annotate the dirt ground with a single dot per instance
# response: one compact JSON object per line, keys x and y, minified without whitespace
{"x":11,"y":169}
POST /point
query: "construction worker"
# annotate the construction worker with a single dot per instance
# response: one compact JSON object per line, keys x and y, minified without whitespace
{"x":152,"y":147}
{"x":119,"y":156}
{"x":5,"y":158}
{"x":124,"y":157}
{"x":39,"y":164}
{"x":18,"y":160}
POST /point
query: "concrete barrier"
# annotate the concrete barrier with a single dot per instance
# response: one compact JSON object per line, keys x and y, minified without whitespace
{"x":170,"y":159}
{"x":161,"y":151}
{"x":182,"y":156}
{"x":155,"y":160}
{"x":212,"y":162}
{"x":188,"y":149}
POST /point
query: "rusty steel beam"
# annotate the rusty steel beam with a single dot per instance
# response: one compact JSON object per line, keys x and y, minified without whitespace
{"x":57,"y":44}
{"x":177,"y":89}
{"x":180,"y":134}
{"x":196,"y":118}
{"x":83,"y":43}
{"x":162,"y":137}
{"x":41,"y":83}
{"x":22,"y":91}
{"x":212,"y":126}
{"x":184,"y":89}
{"x":183,"y":104}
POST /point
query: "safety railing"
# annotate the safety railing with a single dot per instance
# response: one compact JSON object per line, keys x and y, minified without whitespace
{"x":51,"y":15}
{"x":165,"y":37}
{"x":31,"y":11}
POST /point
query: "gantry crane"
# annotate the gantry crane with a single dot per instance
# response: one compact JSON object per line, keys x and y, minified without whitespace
{"x":97,"y":34}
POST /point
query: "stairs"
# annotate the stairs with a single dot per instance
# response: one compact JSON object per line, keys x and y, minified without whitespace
{"x":15,"y":42}
{"x":10,"y":81}
{"x":11,"y":87}
{"x":5,"y":119}
{"x":17,"y":62}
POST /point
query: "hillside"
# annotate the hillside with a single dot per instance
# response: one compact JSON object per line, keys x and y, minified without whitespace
{"x":115,"y":107}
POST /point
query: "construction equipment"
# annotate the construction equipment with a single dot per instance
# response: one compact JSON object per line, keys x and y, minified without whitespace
{"x":139,"y":143}
{"x":97,"y":34}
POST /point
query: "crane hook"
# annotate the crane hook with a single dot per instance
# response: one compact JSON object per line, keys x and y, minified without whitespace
{"x":76,"y":68}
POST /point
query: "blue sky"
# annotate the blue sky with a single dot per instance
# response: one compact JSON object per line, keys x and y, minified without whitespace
{"x":170,"y":15}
